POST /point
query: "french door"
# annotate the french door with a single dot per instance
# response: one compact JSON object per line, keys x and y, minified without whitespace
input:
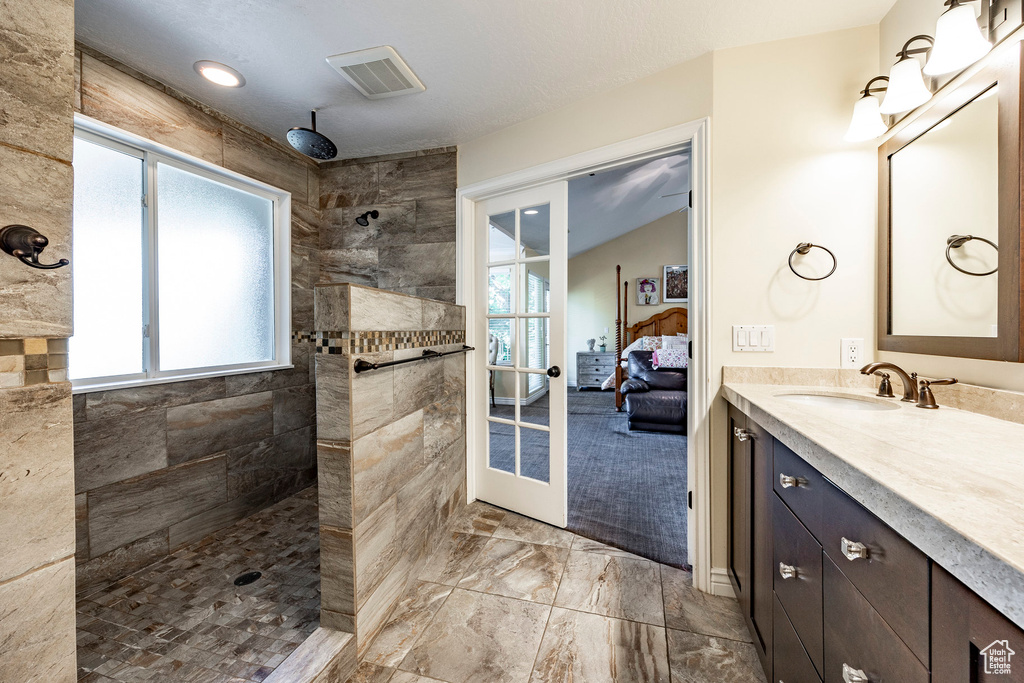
{"x":521,"y":286}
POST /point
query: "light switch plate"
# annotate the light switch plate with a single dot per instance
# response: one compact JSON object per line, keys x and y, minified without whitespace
{"x":753,"y":338}
{"x":852,"y":351}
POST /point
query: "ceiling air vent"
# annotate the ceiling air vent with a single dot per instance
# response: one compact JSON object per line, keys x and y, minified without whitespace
{"x":377,"y":72}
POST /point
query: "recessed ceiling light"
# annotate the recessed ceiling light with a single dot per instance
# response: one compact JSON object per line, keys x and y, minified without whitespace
{"x":531,"y":212}
{"x":218,"y":73}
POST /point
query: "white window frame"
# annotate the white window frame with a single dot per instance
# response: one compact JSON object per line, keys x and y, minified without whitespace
{"x":152,"y":153}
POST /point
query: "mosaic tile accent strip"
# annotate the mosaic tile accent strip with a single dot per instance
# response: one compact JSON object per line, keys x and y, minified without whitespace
{"x":356,"y":342}
{"x":24,"y":362}
{"x":303,"y":336}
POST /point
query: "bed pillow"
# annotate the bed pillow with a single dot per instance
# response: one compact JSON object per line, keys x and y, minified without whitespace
{"x":635,"y":346}
{"x":670,"y":358}
{"x":673,"y":341}
{"x":651,"y":343}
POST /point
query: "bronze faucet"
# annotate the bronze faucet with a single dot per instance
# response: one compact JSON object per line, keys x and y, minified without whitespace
{"x":909,"y":381}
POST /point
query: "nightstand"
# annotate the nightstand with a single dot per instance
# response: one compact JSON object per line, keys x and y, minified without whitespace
{"x":593,"y":368}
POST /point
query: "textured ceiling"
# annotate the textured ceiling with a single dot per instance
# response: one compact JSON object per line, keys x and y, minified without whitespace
{"x":486,"y":63}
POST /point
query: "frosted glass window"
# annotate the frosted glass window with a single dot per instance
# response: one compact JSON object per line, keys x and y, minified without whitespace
{"x":216,"y":272}
{"x":180,"y":267}
{"x":108,"y":255}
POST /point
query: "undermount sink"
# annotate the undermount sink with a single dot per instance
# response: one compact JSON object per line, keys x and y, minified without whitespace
{"x":841,"y":401}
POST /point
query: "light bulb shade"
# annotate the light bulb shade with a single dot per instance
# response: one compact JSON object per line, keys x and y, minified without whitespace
{"x":906,"y":87}
{"x":866,"y":123}
{"x":958,"y":42}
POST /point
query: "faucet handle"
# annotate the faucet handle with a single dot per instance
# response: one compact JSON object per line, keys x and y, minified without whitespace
{"x":885,"y":386}
{"x":936,"y":382}
{"x":926,"y":399}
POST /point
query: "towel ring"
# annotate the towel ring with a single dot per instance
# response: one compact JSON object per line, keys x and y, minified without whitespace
{"x":957,"y":241}
{"x":803,"y":249}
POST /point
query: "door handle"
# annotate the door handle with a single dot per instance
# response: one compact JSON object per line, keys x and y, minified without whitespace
{"x":554,"y":371}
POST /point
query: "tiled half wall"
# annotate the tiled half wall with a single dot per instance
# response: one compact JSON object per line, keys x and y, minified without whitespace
{"x":391,"y":447}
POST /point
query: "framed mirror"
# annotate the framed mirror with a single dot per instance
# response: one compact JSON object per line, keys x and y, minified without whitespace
{"x":950,"y":222}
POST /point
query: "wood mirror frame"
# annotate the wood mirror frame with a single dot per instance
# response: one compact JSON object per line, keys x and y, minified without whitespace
{"x":1004,"y":69}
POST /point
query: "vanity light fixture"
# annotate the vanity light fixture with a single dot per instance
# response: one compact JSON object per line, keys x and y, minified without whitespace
{"x":531,"y":212}
{"x":958,"y":40}
{"x":867,"y":123}
{"x":907,"y":89}
{"x":220,"y":74}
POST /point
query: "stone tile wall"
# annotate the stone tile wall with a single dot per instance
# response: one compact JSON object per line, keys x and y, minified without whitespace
{"x":158,"y":467}
{"x":37,"y":568}
{"x":391,"y":448}
{"x":410,"y":248}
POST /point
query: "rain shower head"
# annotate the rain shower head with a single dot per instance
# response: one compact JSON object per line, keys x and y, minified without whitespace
{"x":311,"y":143}
{"x":363,"y":220}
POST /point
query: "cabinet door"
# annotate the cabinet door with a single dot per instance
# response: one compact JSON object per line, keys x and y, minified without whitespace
{"x":739,"y":510}
{"x":762,"y":558}
{"x":971,"y":641}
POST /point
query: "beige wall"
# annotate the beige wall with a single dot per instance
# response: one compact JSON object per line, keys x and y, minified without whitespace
{"x":665,"y":99}
{"x":781,"y":175}
{"x":641,"y":253}
{"x":906,"y":19}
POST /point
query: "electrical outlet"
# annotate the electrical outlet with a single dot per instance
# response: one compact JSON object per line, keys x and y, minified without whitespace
{"x":852,"y":353}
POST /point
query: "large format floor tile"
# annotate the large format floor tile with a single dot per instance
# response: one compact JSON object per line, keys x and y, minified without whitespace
{"x":579,"y":646}
{"x":519,"y":528}
{"x":619,"y":587}
{"x":407,"y":622}
{"x":478,"y":638}
{"x":688,"y":609}
{"x":478,"y":518}
{"x":517,"y":570}
{"x":695,"y":658}
{"x":449,"y":561}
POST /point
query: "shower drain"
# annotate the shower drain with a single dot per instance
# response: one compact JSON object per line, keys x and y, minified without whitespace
{"x":247,"y":578}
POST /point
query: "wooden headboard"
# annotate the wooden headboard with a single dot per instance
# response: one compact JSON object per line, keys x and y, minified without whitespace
{"x":671,"y":321}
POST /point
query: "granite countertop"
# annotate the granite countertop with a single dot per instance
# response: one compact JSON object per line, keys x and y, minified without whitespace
{"x":949,"y":481}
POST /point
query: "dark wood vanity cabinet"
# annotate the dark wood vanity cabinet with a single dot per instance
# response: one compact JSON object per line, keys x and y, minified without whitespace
{"x":750,"y":556}
{"x":831,"y":594}
{"x":970,"y":636}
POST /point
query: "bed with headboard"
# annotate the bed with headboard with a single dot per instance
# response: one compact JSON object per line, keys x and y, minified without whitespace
{"x":669,"y":322}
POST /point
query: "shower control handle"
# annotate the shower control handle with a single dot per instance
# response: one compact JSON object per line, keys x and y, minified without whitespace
{"x":743,"y":434}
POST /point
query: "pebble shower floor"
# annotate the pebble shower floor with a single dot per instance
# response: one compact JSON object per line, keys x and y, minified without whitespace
{"x":184,"y":619}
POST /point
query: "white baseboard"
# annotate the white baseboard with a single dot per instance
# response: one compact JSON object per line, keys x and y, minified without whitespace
{"x":509,"y":401}
{"x":720,"y":583}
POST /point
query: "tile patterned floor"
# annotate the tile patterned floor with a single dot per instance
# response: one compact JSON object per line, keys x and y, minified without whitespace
{"x":508,"y":599}
{"x":183,"y":619}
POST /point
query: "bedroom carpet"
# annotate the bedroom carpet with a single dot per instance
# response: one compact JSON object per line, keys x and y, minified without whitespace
{"x":626,"y":489}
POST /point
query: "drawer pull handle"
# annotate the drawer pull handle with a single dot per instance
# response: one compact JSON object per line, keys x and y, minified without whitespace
{"x":787,"y":571}
{"x":788,"y":481}
{"x":851,"y":675}
{"x":743,"y":434}
{"x":854,"y":551}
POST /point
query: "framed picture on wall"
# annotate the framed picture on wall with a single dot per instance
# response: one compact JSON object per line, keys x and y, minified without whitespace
{"x":677,"y":284}
{"x":648,"y":291}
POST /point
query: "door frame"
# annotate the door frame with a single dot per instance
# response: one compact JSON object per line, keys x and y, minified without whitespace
{"x":695,"y":135}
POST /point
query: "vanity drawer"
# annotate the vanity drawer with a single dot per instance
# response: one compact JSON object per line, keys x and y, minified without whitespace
{"x":891,"y":574}
{"x":792,"y":665}
{"x":858,"y":638}
{"x":800,"y":486}
{"x":799,"y":593}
